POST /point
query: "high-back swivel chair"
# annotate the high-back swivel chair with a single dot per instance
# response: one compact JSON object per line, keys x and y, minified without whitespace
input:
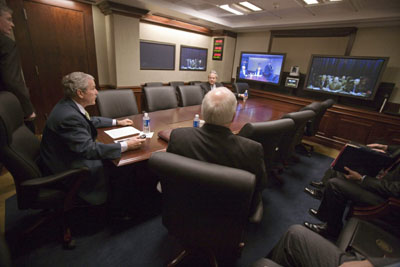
{"x":117,"y":103}
{"x":291,"y":139}
{"x":205,"y":206}
{"x":270,"y":135}
{"x":190,"y":95}
{"x":19,"y":151}
{"x":160,"y":98}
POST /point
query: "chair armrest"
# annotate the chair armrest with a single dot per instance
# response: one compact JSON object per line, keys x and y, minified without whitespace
{"x":56,"y":178}
{"x":389,"y":206}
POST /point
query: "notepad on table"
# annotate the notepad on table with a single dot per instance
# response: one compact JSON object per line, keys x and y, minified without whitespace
{"x":121,"y":132}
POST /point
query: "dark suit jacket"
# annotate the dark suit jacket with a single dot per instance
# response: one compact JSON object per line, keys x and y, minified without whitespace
{"x":10,"y":74}
{"x":389,"y":185}
{"x":217,"y":144}
{"x":207,"y":87}
{"x":69,"y":141}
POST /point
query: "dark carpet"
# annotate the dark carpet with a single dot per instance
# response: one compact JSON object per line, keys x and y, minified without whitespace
{"x":144,"y":241}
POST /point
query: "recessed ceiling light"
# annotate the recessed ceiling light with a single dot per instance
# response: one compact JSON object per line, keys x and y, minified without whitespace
{"x":229,"y":9}
{"x":310,"y":2}
{"x":250,"y":6}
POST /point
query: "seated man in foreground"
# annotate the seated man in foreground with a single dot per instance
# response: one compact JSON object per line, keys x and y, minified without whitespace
{"x":215,"y":143}
{"x":301,"y":247}
{"x":361,"y":190}
{"x":69,"y":137}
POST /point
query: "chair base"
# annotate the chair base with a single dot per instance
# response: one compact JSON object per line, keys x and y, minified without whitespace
{"x":305,"y":148}
{"x":186,"y":253}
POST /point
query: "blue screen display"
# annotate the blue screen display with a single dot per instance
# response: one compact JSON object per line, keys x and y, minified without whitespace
{"x":261,"y":67}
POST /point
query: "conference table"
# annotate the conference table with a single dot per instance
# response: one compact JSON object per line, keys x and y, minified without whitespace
{"x":252,"y":110}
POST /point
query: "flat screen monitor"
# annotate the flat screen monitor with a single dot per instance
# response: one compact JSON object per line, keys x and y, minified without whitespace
{"x":357,"y":77}
{"x":193,"y":58}
{"x":157,"y":56}
{"x":261,"y":67}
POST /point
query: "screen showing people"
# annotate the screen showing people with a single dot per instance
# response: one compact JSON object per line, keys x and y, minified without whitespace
{"x":261,"y":67}
{"x":193,"y":58}
{"x":357,"y":77}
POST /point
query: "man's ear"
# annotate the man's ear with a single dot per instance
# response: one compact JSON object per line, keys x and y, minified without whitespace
{"x":79,"y":93}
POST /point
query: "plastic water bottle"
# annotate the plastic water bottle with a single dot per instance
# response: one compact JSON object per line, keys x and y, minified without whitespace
{"x":146,"y":123}
{"x":246,"y":95}
{"x":196,"y":121}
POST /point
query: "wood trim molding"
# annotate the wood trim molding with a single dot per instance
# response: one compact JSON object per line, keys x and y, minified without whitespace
{"x":172,"y":23}
{"x":109,"y":7}
{"x":325,"y":32}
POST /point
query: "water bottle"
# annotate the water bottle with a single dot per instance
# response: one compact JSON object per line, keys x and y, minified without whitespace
{"x":146,"y":123}
{"x":196,"y":121}
{"x":246,"y":95}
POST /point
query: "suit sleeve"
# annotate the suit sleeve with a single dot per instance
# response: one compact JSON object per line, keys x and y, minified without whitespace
{"x":11,"y":76}
{"x":73,"y":131}
{"x":99,"y":122}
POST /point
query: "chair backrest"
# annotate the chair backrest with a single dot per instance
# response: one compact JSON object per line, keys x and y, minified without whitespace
{"x":195,"y":82}
{"x":19,"y":147}
{"x":175,"y":84}
{"x":117,"y":103}
{"x":190,"y":95}
{"x":291,"y":139}
{"x":204,"y":205}
{"x":240,"y":88}
{"x":153,"y":84}
{"x":319,"y":108}
{"x":159,"y":98}
{"x":269,"y":134}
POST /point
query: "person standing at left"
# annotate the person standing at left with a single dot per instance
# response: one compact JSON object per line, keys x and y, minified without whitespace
{"x":10,"y":69}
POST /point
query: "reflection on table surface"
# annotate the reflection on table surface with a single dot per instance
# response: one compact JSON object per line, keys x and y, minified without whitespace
{"x":253,"y":110}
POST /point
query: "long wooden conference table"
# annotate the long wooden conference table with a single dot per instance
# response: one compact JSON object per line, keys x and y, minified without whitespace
{"x":253,"y":110}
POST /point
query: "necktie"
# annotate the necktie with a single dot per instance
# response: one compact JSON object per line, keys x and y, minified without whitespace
{"x":87,"y":115}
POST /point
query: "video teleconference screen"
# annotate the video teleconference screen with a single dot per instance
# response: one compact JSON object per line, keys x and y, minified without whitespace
{"x":261,"y":67}
{"x":357,"y":77}
{"x":193,"y":58}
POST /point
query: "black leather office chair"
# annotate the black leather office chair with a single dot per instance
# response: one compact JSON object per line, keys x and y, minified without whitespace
{"x":270,"y":135}
{"x":291,"y":139}
{"x":313,"y":125}
{"x":153,"y":84}
{"x":159,"y":98}
{"x":195,"y":82}
{"x":117,"y":103}
{"x":175,"y":84}
{"x":240,"y":88}
{"x":19,"y":151}
{"x":190,"y":95}
{"x":205,"y":206}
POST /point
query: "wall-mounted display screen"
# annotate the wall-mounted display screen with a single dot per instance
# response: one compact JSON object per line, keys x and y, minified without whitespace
{"x":261,"y":67}
{"x":193,"y":58}
{"x":347,"y":76}
{"x":157,"y":56}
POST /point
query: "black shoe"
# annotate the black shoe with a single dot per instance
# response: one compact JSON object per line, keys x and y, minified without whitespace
{"x":315,"y":193}
{"x":314,"y":212}
{"x":317,"y":184}
{"x":322,"y":229}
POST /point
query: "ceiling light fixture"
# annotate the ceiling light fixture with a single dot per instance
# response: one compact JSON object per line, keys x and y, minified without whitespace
{"x":229,"y":9}
{"x":311,"y":2}
{"x":250,"y":6}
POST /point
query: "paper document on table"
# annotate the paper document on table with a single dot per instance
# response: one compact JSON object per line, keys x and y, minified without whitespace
{"x":121,"y":132}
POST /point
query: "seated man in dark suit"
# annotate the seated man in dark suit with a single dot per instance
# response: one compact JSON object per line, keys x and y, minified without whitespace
{"x":69,"y":137}
{"x":215,"y":143}
{"x":361,"y":190}
{"x":301,"y":247}
{"x":212,"y":82}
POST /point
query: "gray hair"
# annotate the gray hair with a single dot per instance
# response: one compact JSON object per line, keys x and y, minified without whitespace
{"x":219,"y":106}
{"x":4,"y":9}
{"x":74,"y":81}
{"x":213,"y":72}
